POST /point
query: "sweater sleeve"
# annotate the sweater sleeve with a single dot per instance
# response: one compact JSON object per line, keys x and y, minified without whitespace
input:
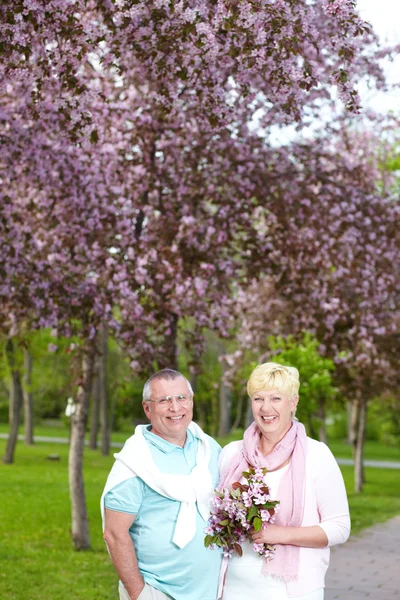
{"x":331,"y":497}
{"x":227,"y":454}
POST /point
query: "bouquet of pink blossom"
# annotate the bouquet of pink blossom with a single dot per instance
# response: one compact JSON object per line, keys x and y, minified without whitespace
{"x":237,"y":512}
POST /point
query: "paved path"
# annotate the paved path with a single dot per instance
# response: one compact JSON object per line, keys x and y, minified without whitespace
{"x":381,"y":464}
{"x":367,"y":567}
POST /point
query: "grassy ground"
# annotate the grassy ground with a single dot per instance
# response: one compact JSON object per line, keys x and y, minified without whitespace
{"x":59,"y":429}
{"x":372,"y":450}
{"x":379,"y":501}
{"x":36,"y":557}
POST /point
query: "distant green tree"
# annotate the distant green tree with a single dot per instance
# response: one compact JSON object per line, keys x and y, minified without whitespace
{"x":316,"y":386}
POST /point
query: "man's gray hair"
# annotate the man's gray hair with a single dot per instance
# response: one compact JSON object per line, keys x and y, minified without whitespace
{"x":165,"y":375}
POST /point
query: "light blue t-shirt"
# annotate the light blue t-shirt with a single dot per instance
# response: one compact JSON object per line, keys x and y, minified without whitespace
{"x":189,"y":573}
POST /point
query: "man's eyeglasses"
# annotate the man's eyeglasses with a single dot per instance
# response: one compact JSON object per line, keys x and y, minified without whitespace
{"x":182,"y":399}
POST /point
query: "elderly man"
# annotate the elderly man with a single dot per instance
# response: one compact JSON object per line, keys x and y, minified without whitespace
{"x":156,"y":501}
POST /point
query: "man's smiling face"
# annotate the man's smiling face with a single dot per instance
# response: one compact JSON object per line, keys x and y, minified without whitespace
{"x":171,"y":421}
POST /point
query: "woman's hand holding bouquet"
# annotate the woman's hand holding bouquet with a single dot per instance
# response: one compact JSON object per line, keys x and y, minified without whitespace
{"x":240,"y":512}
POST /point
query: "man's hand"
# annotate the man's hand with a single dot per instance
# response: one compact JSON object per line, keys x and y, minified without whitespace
{"x":137,"y":595}
{"x":122,"y":552}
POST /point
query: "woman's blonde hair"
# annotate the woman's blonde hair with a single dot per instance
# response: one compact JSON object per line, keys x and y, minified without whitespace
{"x":270,"y":376}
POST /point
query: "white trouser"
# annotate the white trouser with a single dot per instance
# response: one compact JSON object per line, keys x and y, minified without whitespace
{"x":148,"y":593}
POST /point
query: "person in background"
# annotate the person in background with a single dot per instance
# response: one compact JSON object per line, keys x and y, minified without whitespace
{"x":155,"y":504}
{"x":304,"y":476}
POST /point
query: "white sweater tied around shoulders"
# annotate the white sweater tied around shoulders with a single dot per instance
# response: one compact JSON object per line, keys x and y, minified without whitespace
{"x":136,"y":460}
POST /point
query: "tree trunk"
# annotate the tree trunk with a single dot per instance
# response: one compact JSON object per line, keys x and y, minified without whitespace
{"x":95,"y":412}
{"x":359,"y":476}
{"x":349,"y":422}
{"x":201,"y":417}
{"x":170,"y":359}
{"x":249,"y":414}
{"x":111,"y":414}
{"x":239,"y":413}
{"x":28,"y":399}
{"x":225,"y":402}
{"x":193,"y":382}
{"x":103,"y":389}
{"x":199,"y":409}
{"x":16,"y":402}
{"x":80,"y":527}
{"x":213,"y":408}
{"x":358,"y":423}
{"x":355,"y":413}
{"x":322,"y":416}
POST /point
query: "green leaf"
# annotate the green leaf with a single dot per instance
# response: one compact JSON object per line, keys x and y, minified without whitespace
{"x":182,"y":74}
{"x":94,"y":136}
{"x":252,"y":512}
{"x":257,"y":524}
{"x":271,"y":504}
{"x":208,"y":540}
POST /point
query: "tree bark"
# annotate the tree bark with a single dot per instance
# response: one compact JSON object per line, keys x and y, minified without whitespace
{"x":193,"y":382}
{"x":16,"y":402}
{"x":103,"y":392}
{"x":249,"y":414}
{"x":28,"y":398}
{"x":322,"y":416}
{"x":201,"y":417}
{"x":355,"y":412}
{"x":225,"y":401}
{"x":170,"y":360}
{"x":213,"y":408}
{"x":358,"y":423}
{"x":80,"y":527}
{"x":349,"y":422}
{"x":359,"y":476}
{"x":199,"y":409}
{"x":95,"y":412}
{"x":239,"y":413}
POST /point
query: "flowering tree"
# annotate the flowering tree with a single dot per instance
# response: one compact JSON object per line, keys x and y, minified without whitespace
{"x":337,"y":263}
{"x":184,"y":52}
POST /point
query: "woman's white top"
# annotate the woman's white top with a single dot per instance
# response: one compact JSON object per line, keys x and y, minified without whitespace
{"x":325,"y":505}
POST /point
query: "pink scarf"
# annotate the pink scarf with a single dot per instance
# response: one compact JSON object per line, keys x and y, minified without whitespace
{"x":285,"y":563}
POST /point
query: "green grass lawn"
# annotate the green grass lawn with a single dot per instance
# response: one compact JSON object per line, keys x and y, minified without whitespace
{"x":379,"y":501}
{"x":59,"y":429}
{"x":373,"y":450}
{"x":36,"y":556}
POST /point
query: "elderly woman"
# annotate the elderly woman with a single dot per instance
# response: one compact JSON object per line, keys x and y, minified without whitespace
{"x":303,"y":474}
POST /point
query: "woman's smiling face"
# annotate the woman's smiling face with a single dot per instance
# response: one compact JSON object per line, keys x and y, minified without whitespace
{"x":273,"y":412}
